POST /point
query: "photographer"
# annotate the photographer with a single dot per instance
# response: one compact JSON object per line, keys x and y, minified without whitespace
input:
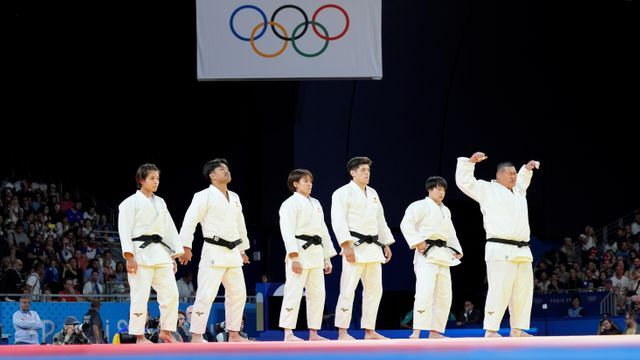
{"x":71,"y":333}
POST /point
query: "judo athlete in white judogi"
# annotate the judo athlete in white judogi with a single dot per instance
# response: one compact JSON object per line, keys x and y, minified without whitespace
{"x":150,"y":243}
{"x":219,"y":212}
{"x":309,"y":251}
{"x":428,"y":229}
{"x":358,"y":222}
{"x":503,"y":203}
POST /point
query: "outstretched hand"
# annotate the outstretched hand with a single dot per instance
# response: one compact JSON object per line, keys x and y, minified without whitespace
{"x":478,"y":157}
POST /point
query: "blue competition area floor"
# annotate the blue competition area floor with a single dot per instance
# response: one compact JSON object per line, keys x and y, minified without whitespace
{"x":567,"y":347}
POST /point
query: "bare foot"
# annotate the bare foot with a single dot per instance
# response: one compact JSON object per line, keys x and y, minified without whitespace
{"x":197,"y":338}
{"x":291,"y":337}
{"x":140,"y":339}
{"x":166,"y":337}
{"x":372,"y":335}
{"x":415,"y":334}
{"x":235,"y":337}
{"x":519,"y":333}
{"x":491,"y":334}
{"x":316,"y":337}
{"x":344,"y":335}
{"x":436,"y":335}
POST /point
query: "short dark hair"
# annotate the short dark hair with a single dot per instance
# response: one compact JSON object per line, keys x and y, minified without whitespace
{"x":212,"y":165}
{"x":143,"y":171}
{"x":355,"y":162}
{"x":434,"y":182}
{"x":504,"y":164}
{"x":295,"y":176}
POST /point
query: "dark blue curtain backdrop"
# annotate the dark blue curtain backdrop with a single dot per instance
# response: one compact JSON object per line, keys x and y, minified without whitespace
{"x":554,"y":81}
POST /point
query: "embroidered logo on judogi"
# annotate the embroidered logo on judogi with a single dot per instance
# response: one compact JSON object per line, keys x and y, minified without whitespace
{"x":490,"y":312}
{"x":344,"y":309}
{"x":199,"y":313}
{"x":420,"y":311}
{"x":288,"y":309}
{"x":137,"y":314}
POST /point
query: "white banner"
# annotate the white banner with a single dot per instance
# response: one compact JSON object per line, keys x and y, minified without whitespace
{"x":293,"y":39}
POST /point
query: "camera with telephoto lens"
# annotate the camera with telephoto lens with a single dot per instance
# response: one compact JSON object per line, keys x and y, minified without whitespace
{"x":82,"y":327}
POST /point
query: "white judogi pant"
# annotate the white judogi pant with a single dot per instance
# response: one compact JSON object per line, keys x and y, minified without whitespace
{"x":209,"y":279}
{"x":313,"y":281}
{"x":164,"y":283}
{"x":433,"y":296}
{"x":371,"y":276}
{"x":510,"y":284}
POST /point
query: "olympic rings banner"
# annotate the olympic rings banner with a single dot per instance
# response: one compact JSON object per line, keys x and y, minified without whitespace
{"x":289,"y":39}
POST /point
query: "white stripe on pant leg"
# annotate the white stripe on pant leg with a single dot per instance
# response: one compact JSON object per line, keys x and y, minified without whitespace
{"x":423,"y":299}
{"x":209,"y":279}
{"x":348,"y":282}
{"x":293,"y":288}
{"x":139,"y":290}
{"x":315,"y":298}
{"x":235,"y":297}
{"x":500,"y":275}
{"x":522,"y":298}
{"x":371,"y":294}
{"x":442,"y":300}
{"x":164,"y":283}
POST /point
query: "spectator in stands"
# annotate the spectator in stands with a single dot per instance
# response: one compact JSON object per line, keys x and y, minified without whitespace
{"x":71,"y":333}
{"x":20,"y":237}
{"x":95,"y":333}
{"x":33,"y":284}
{"x":13,"y":280}
{"x":570,"y":251}
{"x":631,"y":320}
{"x":70,"y":272}
{"x":93,"y":286}
{"x":120,"y":280}
{"x":554,"y":284}
{"x":608,"y":327}
{"x":94,"y":266}
{"x":469,"y":315}
{"x":66,"y":203}
{"x":52,"y":276}
{"x":181,"y":328}
{"x":185,"y":287}
{"x":26,"y":323}
{"x":81,"y":261}
{"x":70,"y":289}
{"x":619,"y":280}
{"x":573,"y":282}
{"x":107,"y":260}
{"x":576,"y":310}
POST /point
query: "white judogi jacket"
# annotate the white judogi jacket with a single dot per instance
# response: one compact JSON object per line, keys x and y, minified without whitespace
{"x":300,"y":215}
{"x":423,"y":220}
{"x":218,"y":217}
{"x":505,"y":212}
{"x":140,"y":215}
{"x":351,"y":210}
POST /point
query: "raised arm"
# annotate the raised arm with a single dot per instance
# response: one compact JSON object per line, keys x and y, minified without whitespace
{"x":465,"y":179}
{"x":525,"y":174}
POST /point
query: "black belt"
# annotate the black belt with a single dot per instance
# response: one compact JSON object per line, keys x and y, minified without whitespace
{"x":151,"y":239}
{"x":438,"y":243}
{"x":216,"y":240}
{"x":310,"y":240}
{"x":369,"y":239}
{"x":509,"y":242}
